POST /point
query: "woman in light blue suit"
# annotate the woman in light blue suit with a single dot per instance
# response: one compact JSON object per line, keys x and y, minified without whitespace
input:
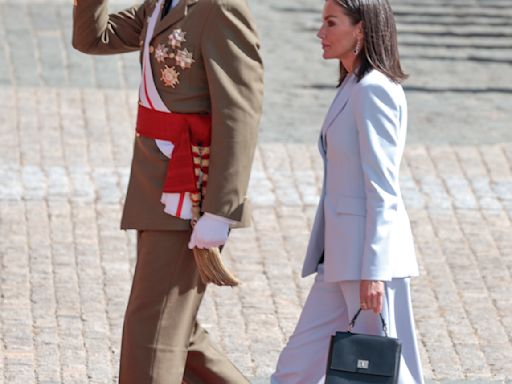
{"x":361,"y":247}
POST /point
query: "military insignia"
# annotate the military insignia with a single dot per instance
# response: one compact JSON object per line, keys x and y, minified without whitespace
{"x":184,"y":58}
{"x":176,"y":38}
{"x":169,"y":76}
{"x":161,"y":53}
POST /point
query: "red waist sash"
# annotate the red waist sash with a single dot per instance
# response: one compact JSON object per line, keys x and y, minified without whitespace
{"x":188,"y":132}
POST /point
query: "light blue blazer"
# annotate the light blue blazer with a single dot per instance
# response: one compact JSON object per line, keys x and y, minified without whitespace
{"x":361,"y":224}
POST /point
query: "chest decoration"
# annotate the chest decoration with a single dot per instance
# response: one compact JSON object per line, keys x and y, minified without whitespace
{"x":184,"y":59}
{"x":177,"y":37}
{"x":169,"y":76}
{"x":161,"y":53}
{"x":174,"y":56}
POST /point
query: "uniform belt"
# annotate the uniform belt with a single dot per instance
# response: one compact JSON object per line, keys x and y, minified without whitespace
{"x":190,"y":134}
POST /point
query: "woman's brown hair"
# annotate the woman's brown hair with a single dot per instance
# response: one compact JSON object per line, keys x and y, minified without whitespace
{"x":380,"y":48}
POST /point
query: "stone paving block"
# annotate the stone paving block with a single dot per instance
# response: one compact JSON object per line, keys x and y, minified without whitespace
{"x":28,"y":128}
{"x":15,"y":317}
{"x":130,"y":65}
{"x":100,"y":153}
{"x":498,"y":356}
{"x":122,"y":129}
{"x":261,"y":189}
{"x":34,"y":184}
{"x":2,"y":353}
{"x":496,"y":163}
{"x":418,"y":161}
{"x":70,"y":108}
{"x":47,"y":365}
{"x":11,"y":187}
{"x":8,"y":119}
{"x":26,"y":67}
{"x":49,"y":49}
{"x":5,"y":75}
{"x":413,"y":198}
{"x":104,"y":67}
{"x":507,"y":149}
{"x":18,"y":373}
{"x":471,"y":162}
{"x":58,"y":187}
{"x":49,"y":127}
{"x":46,"y":354}
{"x":473,"y":360}
{"x":231,"y":324}
{"x":502,"y":190}
{"x":445,"y":161}
{"x":98,"y":362}
{"x":304,"y":176}
{"x":107,"y":183}
{"x":82,"y":185}
{"x":445,"y":361}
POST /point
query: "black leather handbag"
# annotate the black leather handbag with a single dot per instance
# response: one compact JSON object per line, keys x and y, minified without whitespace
{"x":361,"y":359}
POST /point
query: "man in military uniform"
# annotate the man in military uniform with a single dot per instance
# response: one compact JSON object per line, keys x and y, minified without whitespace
{"x":199,"y":108}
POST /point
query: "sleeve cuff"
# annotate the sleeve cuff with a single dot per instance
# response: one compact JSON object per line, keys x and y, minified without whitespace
{"x":220,"y":218}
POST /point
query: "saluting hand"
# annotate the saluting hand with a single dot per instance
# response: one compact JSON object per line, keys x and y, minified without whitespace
{"x":371,"y":295}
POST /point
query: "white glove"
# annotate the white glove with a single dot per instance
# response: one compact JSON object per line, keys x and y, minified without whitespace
{"x":210,"y":231}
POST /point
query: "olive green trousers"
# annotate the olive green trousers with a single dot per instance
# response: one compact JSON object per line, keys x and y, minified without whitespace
{"x":162,"y":341}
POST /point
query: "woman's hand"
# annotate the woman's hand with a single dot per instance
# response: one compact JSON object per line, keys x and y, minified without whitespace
{"x":371,"y":294}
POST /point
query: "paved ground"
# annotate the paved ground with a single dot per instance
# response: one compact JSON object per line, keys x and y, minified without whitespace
{"x":66,"y":131}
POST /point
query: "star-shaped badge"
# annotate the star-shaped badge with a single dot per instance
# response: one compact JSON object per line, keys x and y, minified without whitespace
{"x":184,"y":58}
{"x":177,"y":37}
{"x":161,"y":53}
{"x":169,"y":76}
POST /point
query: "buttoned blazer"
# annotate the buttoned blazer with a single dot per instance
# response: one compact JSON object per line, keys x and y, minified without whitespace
{"x":361,"y":224}
{"x":225,"y":79}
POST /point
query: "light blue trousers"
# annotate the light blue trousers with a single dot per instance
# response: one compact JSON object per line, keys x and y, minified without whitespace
{"x":329,"y":308}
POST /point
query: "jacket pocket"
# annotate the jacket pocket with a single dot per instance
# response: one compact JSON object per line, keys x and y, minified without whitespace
{"x":348,"y":205}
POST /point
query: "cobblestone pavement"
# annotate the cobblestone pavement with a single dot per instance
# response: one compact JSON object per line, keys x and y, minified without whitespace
{"x":66,"y":130}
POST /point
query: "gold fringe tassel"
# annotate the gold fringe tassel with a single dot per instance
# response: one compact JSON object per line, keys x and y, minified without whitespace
{"x":212,"y":269}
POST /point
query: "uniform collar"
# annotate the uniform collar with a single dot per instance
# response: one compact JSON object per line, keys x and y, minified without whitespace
{"x":176,"y":14}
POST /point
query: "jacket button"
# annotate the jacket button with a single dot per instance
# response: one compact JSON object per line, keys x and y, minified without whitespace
{"x":151,"y":49}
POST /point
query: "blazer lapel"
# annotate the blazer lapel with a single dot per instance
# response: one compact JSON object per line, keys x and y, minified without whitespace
{"x":321,"y":146}
{"x":339,"y":102}
{"x":174,"y":15}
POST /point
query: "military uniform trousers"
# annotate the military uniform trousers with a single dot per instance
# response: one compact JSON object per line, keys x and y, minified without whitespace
{"x":162,"y":341}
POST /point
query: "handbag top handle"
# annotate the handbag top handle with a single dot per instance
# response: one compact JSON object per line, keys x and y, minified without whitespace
{"x":382,"y":321}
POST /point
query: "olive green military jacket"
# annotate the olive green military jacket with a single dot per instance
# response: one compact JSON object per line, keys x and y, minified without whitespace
{"x":225,"y":79}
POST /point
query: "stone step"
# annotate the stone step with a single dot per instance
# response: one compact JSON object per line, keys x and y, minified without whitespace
{"x":452,"y":10}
